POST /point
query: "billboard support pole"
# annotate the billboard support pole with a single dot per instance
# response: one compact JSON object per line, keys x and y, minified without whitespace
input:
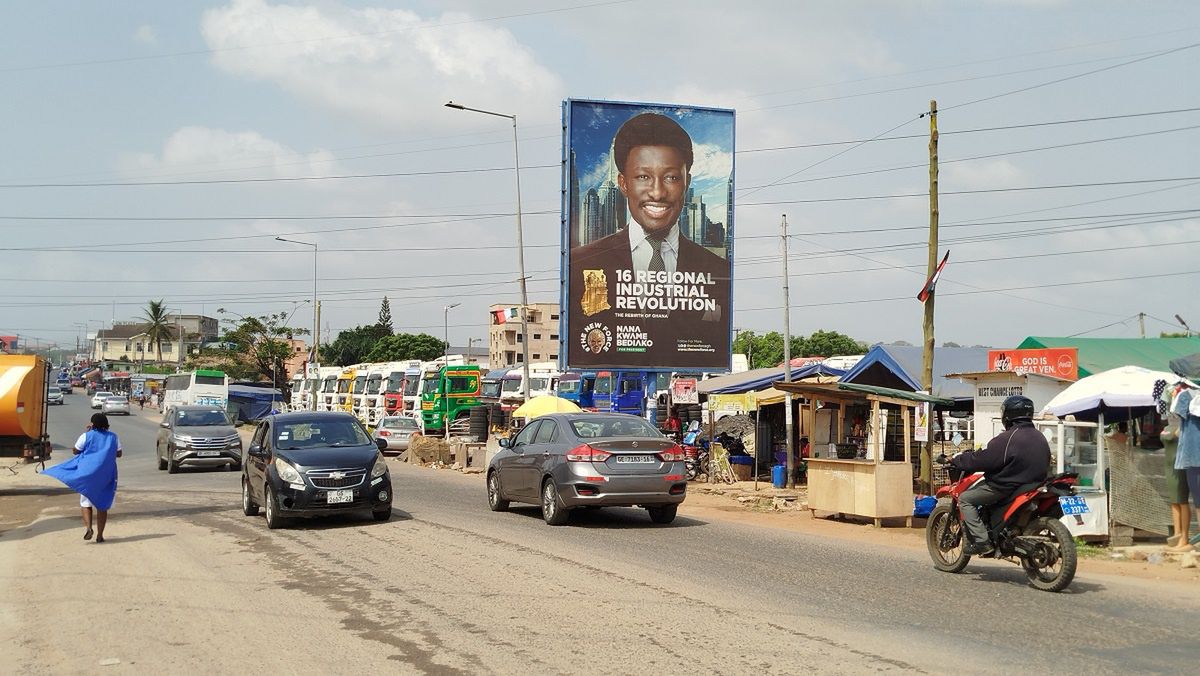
{"x":787,"y":358}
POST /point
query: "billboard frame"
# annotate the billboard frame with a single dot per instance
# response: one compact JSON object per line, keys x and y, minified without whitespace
{"x":565,"y":237}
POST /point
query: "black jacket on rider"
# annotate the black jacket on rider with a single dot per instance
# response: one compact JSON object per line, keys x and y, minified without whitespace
{"x":1017,"y":456}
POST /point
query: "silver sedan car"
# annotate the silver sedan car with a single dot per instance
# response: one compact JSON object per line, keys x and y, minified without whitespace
{"x":397,"y":431}
{"x":567,"y":460}
{"x":115,"y":405}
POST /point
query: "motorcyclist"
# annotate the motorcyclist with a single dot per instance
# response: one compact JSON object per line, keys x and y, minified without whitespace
{"x":1017,"y":456}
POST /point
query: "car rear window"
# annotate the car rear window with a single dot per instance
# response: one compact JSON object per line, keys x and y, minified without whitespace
{"x":613,"y":427}
{"x":398,"y":423}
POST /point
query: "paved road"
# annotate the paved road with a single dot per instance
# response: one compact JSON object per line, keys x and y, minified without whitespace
{"x":448,"y":587}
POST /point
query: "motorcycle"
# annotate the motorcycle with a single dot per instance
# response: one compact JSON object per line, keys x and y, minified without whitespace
{"x":1025,"y":528}
{"x":695,"y":451}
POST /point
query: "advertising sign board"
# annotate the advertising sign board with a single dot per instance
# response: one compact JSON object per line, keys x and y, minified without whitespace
{"x":1060,"y":362}
{"x":647,"y":236}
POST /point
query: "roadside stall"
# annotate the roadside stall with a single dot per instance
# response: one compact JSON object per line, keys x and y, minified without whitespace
{"x":867,"y":469}
{"x":1120,"y":469}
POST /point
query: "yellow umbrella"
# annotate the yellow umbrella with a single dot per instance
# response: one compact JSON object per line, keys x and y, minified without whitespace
{"x":548,"y":403}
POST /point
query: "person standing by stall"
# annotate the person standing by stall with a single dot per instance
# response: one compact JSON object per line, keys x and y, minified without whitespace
{"x":1186,"y":406}
{"x":92,"y":473}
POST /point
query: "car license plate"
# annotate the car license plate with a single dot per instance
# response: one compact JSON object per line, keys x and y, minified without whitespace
{"x":208,"y":454}
{"x":634,"y":459}
{"x":1073,"y":504}
{"x":334,"y":497}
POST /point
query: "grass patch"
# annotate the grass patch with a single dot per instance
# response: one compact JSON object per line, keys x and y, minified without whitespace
{"x":1086,"y":549}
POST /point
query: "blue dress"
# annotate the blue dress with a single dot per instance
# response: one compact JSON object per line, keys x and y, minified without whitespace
{"x":92,"y":473}
{"x":1188,"y":453}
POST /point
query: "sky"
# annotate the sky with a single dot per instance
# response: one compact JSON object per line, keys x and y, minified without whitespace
{"x":155,"y":150}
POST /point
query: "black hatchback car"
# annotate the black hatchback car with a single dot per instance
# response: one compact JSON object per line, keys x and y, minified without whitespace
{"x":314,"y":464}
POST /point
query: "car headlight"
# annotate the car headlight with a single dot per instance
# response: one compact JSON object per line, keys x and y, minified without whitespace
{"x":181,"y":441}
{"x":380,"y":466}
{"x":287,"y":473}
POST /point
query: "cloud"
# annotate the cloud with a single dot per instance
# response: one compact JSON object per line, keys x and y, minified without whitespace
{"x":146,"y":35}
{"x":392,"y":68}
{"x":982,"y":175}
{"x":248,"y":153}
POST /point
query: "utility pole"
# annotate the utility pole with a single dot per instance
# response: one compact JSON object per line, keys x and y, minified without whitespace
{"x":927,"y":352}
{"x":316,"y":359}
{"x":787,"y":357}
{"x":1142,"y":324}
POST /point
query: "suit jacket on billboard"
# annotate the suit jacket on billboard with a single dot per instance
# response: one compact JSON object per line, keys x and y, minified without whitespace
{"x":613,"y":253}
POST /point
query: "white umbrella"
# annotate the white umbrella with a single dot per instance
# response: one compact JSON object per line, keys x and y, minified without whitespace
{"x":1123,"y":387}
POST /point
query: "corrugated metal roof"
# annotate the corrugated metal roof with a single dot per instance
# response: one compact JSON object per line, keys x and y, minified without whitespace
{"x":1103,"y":354}
{"x":899,"y":367}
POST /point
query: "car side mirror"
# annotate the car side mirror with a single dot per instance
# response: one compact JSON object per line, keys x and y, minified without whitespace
{"x":381,"y":444}
{"x":256,"y":451}
{"x":164,"y":424}
{"x":505,"y":443}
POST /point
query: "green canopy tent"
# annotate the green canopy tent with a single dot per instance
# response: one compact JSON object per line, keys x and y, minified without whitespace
{"x":1103,"y":354}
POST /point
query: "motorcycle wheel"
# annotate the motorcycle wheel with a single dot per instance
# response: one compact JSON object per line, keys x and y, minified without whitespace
{"x":692,"y":468}
{"x":1052,"y":565}
{"x":945,"y":538}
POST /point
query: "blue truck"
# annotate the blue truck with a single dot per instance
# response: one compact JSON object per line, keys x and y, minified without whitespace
{"x":578,"y":387}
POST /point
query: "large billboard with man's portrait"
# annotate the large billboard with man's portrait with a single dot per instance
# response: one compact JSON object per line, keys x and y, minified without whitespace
{"x":647,"y":239}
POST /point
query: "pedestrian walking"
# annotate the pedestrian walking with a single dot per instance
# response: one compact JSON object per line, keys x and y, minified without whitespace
{"x":141,"y":401}
{"x":92,"y":473}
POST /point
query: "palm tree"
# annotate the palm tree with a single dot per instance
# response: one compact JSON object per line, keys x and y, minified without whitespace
{"x":157,"y":325}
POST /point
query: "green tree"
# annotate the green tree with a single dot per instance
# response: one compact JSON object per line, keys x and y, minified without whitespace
{"x":352,"y":345}
{"x":403,"y":346}
{"x":157,"y":325}
{"x":256,"y":348}
{"x":385,"y":316}
{"x":829,"y":344}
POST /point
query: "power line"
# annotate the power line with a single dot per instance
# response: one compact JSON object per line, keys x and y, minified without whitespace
{"x":972,"y":293}
{"x":1098,"y":328}
{"x":277,"y":179}
{"x":1028,"y":125}
{"x":1071,"y":77}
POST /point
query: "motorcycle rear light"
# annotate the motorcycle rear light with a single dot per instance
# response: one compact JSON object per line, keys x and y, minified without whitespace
{"x":673,"y":454}
{"x":586,"y":453}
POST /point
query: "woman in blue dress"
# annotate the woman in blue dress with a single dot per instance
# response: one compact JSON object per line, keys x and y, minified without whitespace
{"x":93,"y":473}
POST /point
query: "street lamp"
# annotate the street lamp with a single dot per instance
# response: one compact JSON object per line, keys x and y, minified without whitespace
{"x":446,"y":360}
{"x":316,"y":317}
{"x":520,"y":246}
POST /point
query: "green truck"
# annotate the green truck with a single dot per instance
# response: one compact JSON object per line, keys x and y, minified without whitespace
{"x":449,"y":393}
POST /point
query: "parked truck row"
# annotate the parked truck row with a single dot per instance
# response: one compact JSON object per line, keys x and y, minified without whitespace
{"x":445,"y":390}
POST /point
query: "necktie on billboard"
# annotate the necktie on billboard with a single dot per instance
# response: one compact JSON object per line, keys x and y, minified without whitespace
{"x":930,"y":283}
{"x":656,"y":260}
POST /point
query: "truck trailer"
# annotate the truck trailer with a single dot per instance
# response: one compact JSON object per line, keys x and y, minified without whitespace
{"x":23,"y":411}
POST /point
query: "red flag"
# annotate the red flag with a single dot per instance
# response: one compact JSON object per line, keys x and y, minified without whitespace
{"x":498,"y":315}
{"x":932,"y":281}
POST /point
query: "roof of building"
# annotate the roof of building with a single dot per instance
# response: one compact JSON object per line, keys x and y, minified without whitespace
{"x":1102,"y":354}
{"x":122,"y":331}
{"x":761,"y":379}
{"x":899,"y":367}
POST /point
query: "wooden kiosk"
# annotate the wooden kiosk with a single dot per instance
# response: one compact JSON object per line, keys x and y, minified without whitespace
{"x":868,"y":487}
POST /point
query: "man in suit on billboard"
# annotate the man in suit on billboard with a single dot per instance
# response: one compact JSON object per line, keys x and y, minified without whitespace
{"x":653,"y":156}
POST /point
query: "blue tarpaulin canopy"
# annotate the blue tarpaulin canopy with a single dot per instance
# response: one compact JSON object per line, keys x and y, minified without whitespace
{"x":254,"y":402}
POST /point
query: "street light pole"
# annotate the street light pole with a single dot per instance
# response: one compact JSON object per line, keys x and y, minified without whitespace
{"x":520,"y":246}
{"x":446,"y":362}
{"x":316,"y":330}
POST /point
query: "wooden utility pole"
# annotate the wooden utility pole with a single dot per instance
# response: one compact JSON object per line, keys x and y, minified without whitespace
{"x":787,"y":358}
{"x":927,"y":352}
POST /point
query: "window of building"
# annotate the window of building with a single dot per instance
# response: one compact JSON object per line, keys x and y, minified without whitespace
{"x":520,"y":338}
{"x":553,"y":336}
{"x":105,"y":346}
{"x":537,"y":336}
{"x":554,"y":356}
{"x":138,"y":347}
{"x":128,"y":346}
{"x":553,"y":318}
{"x":536,"y":355}
{"x":520,"y":358}
{"x":166,"y":348}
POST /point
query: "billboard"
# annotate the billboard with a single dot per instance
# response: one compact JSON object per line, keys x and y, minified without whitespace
{"x":647,"y":236}
{"x":1059,"y":362}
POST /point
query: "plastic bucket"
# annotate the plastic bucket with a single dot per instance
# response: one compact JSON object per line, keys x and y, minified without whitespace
{"x":779,"y":476}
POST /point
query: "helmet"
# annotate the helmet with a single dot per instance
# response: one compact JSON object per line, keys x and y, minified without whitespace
{"x":1016,"y":408}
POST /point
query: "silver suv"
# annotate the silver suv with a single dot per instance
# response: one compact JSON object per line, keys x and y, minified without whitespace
{"x":198,"y":436}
